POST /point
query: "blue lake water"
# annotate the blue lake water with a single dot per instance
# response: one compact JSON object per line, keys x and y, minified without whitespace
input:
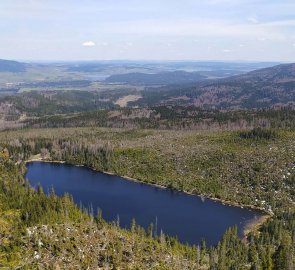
{"x":188,"y":217}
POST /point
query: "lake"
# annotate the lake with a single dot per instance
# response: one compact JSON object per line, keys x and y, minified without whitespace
{"x":190,"y":218}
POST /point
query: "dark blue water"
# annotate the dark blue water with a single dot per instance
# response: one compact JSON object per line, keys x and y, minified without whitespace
{"x":188,"y":217}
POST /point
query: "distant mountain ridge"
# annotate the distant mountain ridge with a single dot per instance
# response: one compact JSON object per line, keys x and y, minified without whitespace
{"x":264,"y":88}
{"x":268,"y":87}
{"x":277,"y":72}
{"x":163,"y":78}
{"x":11,"y":66}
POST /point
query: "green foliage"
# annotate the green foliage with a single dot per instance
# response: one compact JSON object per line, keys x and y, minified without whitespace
{"x":232,"y":251}
{"x":37,"y":230}
{"x":160,"y":117}
{"x":258,"y":134}
{"x":216,"y":164}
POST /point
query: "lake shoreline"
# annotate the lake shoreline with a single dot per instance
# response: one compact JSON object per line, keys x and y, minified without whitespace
{"x":252,"y":226}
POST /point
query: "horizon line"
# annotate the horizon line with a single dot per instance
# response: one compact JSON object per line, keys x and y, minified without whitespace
{"x":147,"y":60}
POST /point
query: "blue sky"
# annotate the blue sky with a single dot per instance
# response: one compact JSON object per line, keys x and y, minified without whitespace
{"x":260,"y":30}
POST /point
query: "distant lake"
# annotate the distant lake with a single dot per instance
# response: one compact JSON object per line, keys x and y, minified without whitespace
{"x":188,"y":217}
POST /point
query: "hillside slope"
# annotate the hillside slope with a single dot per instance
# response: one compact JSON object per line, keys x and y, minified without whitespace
{"x":267,"y":87}
{"x":175,"y":77}
{"x":263,"y":88}
{"x":11,"y":66}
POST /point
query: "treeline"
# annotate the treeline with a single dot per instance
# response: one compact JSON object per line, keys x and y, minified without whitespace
{"x":64,"y":101}
{"x":36,"y":104}
{"x":91,"y":108}
{"x":179,"y":118}
{"x":258,"y":134}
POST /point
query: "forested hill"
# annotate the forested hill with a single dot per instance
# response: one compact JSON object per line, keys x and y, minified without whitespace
{"x":267,"y":87}
{"x":279,"y":73}
{"x":11,"y":66}
{"x":263,"y":88}
{"x":164,"y":78}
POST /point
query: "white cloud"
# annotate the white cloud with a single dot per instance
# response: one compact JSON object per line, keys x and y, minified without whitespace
{"x":88,"y":44}
{"x":253,"y":20}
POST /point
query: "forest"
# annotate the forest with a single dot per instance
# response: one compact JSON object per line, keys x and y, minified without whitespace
{"x":246,"y":167}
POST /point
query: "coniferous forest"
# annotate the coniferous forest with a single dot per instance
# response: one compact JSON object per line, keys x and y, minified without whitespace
{"x":252,"y":167}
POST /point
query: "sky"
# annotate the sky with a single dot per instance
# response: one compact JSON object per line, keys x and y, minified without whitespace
{"x":251,"y":30}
